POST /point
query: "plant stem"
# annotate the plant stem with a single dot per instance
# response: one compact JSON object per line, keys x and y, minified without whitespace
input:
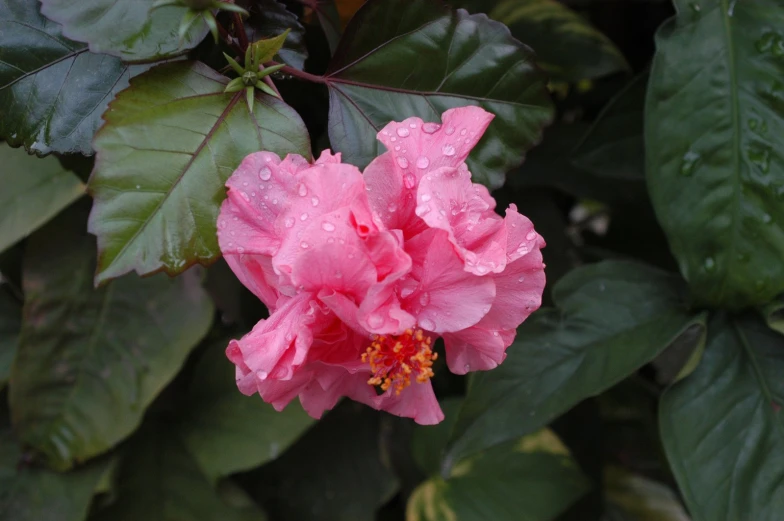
{"x":300,"y":74}
{"x":239,"y":28}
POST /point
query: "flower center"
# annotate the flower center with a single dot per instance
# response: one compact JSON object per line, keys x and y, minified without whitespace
{"x":395,"y":358}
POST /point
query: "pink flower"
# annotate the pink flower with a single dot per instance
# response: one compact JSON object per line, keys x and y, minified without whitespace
{"x":362,"y":273}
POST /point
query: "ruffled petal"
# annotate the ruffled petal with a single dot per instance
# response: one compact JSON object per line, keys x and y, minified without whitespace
{"x":476,"y":349}
{"x":448,"y":200}
{"x":446,"y":298}
{"x":417,"y":401}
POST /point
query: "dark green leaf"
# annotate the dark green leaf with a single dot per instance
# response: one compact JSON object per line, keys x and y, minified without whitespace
{"x":90,"y":361}
{"x":450,"y":59}
{"x":714,"y":139}
{"x":228,"y":432}
{"x":31,"y":494}
{"x":611,"y":318}
{"x":774,"y":314}
{"x":632,"y":497}
{"x":429,"y":441}
{"x":34,"y":191}
{"x":170,"y":142}
{"x":269,"y":18}
{"x":530,"y":479}
{"x":723,"y":428}
{"x":614,"y":145}
{"x":567,"y":46}
{"x":10,"y":323}
{"x":329,"y":18}
{"x":335,"y":472}
{"x":160,"y":481}
{"x":52,"y":90}
{"x":128,"y":30}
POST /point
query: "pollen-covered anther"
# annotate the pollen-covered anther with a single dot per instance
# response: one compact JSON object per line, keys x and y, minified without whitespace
{"x":394,"y":359}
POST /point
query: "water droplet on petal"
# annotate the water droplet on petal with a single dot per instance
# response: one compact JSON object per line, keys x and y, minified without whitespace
{"x":397,"y":148}
{"x":302,"y":190}
{"x":304,"y":245}
{"x":240,"y":250}
{"x":710,"y":264}
{"x":262,"y":375}
{"x":303,"y":217}
{"x":467,"y":367}
{"x":521,"y":279}
{"x":430,"y":128}
{"x":422,"y":162}
{"x":265,"y":173}
{"x":495,"y":333}
{"x":409,"y":180}
{"x":422,"y":209}
{"x":375,"y":320}
{"x":274,"y":201}
{"x":449,"y":131}
{"x":406,"y":291}
{"x":427,"y":324}
{"x":424,"y":298}
{"x":314,"y":201}
{"x":327,"y":226}
{"x":392,"y":207}
{"x":481,"y":269}
{"x":412,"y":125}
{"x":530,"y":235}
{"x":402,"y":162}
{"x":463,"y":132}
{"x":425,"y":197}
{"x":244,"y":195}
{"x":402,"y":132}
{"x":448,"y":150}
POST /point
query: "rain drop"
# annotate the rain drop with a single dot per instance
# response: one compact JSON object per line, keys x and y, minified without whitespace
{"x":427,"y":324}
{"x":422,"y":209}
{"x":424,"y":299}
{"x":402,"y":132}
{"x":412,"y":125}
{"x":690,"y":159}
{"x":375,"y":320}
{"x":265,"y":173}
{"x":448,"y":150}
{"x":467,"y":367}
{"x":304,"y":245}
{"x":303,"y":217}
{"x":463,"y":132}
{"x":530,"y":235}
{"x":521,"y":279}
{"x":392,"y":207}
{"x":402,"y":162}
{"x":328,"y":226}
{"x":449,"y":131}
{"x":406,"y":292}
{"x":302,"y":190}
{"x":425,"y":197}
{"x":244,"y":195}
{"x":314,"y":201}
{"x":430,"y":128}
{"x":422,"y":162}
{"x":409,"y":180}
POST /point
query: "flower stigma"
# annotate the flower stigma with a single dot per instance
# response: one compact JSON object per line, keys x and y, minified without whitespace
{"x":394,"y":359}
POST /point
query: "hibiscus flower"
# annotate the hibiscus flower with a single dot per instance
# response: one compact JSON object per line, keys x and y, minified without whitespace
{"x":362,"y":273}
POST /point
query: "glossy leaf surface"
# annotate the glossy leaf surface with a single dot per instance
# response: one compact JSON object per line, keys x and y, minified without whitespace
{"x":90,"y":361}
{"x":402,"y":58}
{"x":170,"y":142}
{"x":52,"y":89}
{"x":35,"y":190}
{"x":714,"y":136}
{"x":128,"y":30}
{"x":723,"y":428}
{"x":610,"y":319}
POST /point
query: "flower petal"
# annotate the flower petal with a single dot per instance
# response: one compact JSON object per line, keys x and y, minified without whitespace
{"x":447,"y":298}
{"x":476,"y":349}
{"x":448,"y":200}
{"x":417,"y":401}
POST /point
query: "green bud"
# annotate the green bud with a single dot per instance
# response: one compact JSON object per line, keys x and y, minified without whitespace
{"x":250,"y":78}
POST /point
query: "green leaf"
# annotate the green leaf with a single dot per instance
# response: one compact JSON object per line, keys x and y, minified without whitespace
{"x":329,"y":19}
{"x":264,"y":50}
{"x":228,"y":432}
{"x":160,"y":481}
{"x":35,"y":190}
{"x":567,"y":47}
{"x":714,"y":140}
{"x":611,"y":318}
{"x":530,"y":479}
{"x":271,"y":17}
{"x":402,"y":58}
{"x":722,"y":427}
{"x":90,"y":361}
{"x":614,"y":146}
{"x":10,"y":324}
{"x":170,"y":142}
{"x":634,"y":497}
{"x":429,"y":441}
{"x":52,"y":90}
{"x":128,"y":30}
{"x":345,"y":475}
{"x":774,"y":314}
{"x":31,"y":494}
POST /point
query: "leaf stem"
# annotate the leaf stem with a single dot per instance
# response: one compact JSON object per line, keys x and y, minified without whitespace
{"x":301,"y":74}
{"x":239,"y":29}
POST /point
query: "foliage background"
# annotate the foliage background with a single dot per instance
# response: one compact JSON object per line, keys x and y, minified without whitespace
{"x":643,"y":138}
